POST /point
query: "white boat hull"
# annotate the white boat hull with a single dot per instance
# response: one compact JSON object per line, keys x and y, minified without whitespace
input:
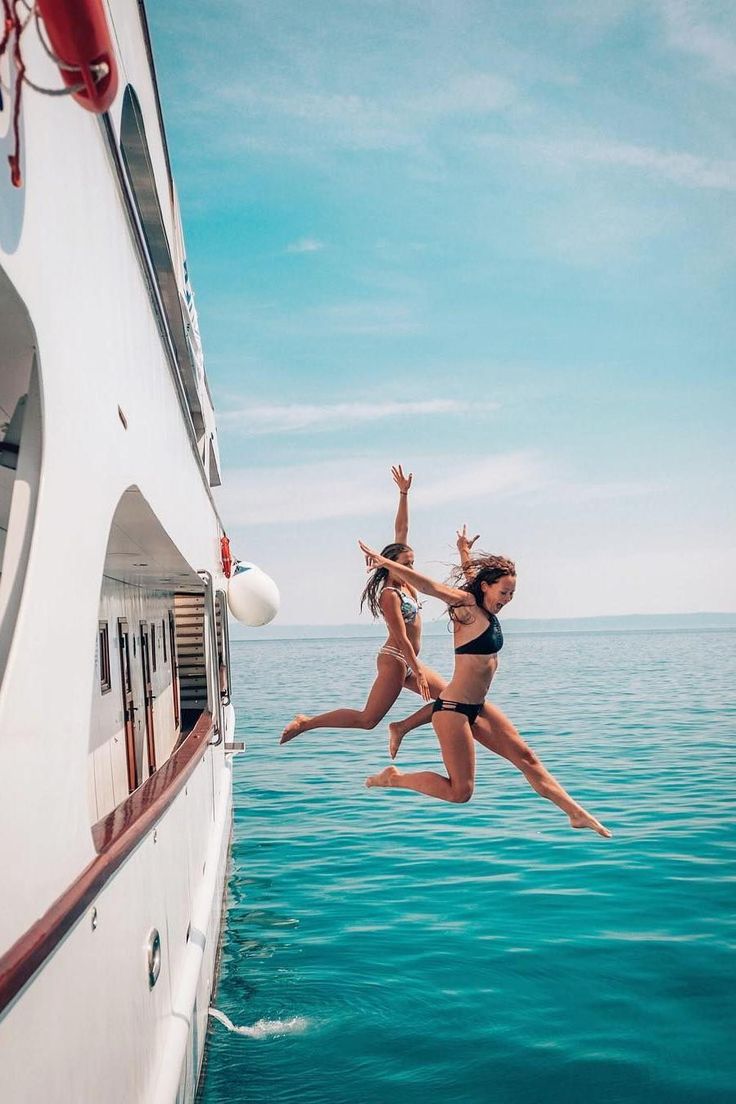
{"x":115,"y":792}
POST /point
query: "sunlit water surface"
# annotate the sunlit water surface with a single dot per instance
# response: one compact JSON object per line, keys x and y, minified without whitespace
{"x":386,"y":947}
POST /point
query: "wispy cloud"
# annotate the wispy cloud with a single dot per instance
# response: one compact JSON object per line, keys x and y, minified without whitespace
{"x":574,"y":493}
{"x":589,"y":22}
{"x":260,"y":419}
{"x":317,"y":118}
{"x":357,"y":488}
{"x":361,"y":121}
{"x":472,"y":93}
{"x":387,"y":318}
{"x":675,"y":167}
{"x":689,"y":31}
{"x":597,"y":229}
{"x":384,"y":317}
{"x":305,"y":245}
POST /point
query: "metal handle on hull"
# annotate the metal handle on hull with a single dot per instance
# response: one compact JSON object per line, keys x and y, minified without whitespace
{"x":153,"y":956}
{"x":213,"y":680}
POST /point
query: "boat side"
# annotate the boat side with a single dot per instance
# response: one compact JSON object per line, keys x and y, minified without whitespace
{"x":111,"y":530}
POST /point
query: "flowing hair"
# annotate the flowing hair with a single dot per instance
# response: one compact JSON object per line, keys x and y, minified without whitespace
{"x":480,"y":568}
{"x":377,"y":581}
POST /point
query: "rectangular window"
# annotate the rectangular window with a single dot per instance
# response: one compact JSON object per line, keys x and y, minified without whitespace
{"x":103,"y":645}
{"x":163,"y":640}
{"x":153,"y":645}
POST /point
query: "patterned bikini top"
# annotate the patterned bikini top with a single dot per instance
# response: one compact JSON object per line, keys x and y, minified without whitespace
{"x":409,"y":605}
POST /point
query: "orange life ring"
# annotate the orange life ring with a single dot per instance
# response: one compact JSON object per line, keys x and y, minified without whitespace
{"x":80,"y":39}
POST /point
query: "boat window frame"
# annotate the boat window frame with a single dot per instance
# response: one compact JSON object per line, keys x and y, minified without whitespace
{"x":103,"y":647}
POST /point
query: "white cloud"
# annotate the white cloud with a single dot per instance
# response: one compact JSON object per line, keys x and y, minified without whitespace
{"x":358,"y":488}
{"x":471,"y":93}
{"x":305,"y":245}
{"x":596,"y":228}
{"x":364,"y":122}
{"x":387,"y":318}
{"x":258,"y":419}
{"x":688,"y":32}
{"x":572,"y":548}
{"x":646,"y":579}
{"x":327,"y":119}
{"x":676,"y":167}
{"x":587,"y":21}
{"x":573,"y":493}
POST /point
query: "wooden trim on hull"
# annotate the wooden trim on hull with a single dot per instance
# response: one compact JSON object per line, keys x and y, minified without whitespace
{"x":115,"y":836}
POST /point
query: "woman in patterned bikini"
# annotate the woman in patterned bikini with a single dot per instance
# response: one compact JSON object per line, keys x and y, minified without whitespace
{"x":397,"y":663}
{"x":460,"y":714}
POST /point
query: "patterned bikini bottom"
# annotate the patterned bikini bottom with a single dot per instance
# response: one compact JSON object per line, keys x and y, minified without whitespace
{"x":388,"y":649}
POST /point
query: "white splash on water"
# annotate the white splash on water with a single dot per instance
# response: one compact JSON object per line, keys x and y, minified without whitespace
{"x":262,"y":1029}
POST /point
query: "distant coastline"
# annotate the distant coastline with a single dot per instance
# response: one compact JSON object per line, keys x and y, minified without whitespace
{"x":634,"y":622}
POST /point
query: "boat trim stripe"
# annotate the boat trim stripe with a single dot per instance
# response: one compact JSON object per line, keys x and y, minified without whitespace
{"x":115,"y":836}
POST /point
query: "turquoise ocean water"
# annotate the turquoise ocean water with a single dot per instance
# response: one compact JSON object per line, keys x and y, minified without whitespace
{"x":385,"y":947}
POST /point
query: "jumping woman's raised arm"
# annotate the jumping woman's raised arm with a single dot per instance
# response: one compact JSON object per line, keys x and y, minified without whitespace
{"x":451,"y":595}
{"x":464,"y":544}
{"x":401,"y":524}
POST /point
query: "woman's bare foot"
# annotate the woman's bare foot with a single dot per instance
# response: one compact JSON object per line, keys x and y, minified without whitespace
{"x":583,"y":819}
{"x":294,"y":728}
{"x":383,"y":778}
{"x":395,"y":736}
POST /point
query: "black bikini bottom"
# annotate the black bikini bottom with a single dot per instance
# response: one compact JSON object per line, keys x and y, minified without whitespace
{"x":469,"y":711}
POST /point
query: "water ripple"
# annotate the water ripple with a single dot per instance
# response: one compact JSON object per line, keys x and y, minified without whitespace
{"x":475,"y":953}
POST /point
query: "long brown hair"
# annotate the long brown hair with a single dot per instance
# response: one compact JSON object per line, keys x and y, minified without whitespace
{"x":377,"y":581}
{"x":480,"y":568}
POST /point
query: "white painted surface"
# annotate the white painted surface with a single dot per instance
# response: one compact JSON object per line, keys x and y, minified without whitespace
{"x":90,"y":1028}
{"x":87,"y":1028}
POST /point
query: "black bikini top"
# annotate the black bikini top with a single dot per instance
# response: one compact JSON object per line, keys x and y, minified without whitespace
{"x":489,"y":642}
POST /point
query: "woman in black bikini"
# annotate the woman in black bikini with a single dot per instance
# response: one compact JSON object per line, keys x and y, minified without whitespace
{"x":460,"y":713}
{"x":387,"y":596}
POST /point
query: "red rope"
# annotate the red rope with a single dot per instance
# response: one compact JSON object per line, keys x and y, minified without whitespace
{"x":12,"y":22}
{"x":8,"y":23}
{"x":16,"y":177}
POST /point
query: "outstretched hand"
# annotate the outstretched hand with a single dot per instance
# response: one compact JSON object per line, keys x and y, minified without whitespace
{"x":372,"y":558}
{"x":403,"y":482}
{"x":464,"y":542}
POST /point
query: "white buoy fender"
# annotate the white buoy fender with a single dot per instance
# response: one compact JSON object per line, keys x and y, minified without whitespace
{"x":252,"y":596}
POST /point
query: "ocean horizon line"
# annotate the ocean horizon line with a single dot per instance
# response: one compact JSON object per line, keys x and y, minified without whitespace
{"x":631,"y":622}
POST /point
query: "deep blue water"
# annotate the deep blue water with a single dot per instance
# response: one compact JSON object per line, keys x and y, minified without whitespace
{"x":416,"y":951}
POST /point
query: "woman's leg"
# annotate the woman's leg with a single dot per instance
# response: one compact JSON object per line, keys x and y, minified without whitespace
{"x":458,"y":754}
{"x":397,"y":730}
{"x":383,"y":694}
{"x":495,"y":731}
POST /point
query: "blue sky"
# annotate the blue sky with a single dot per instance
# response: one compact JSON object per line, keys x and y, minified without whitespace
{"x":493,"y":242}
